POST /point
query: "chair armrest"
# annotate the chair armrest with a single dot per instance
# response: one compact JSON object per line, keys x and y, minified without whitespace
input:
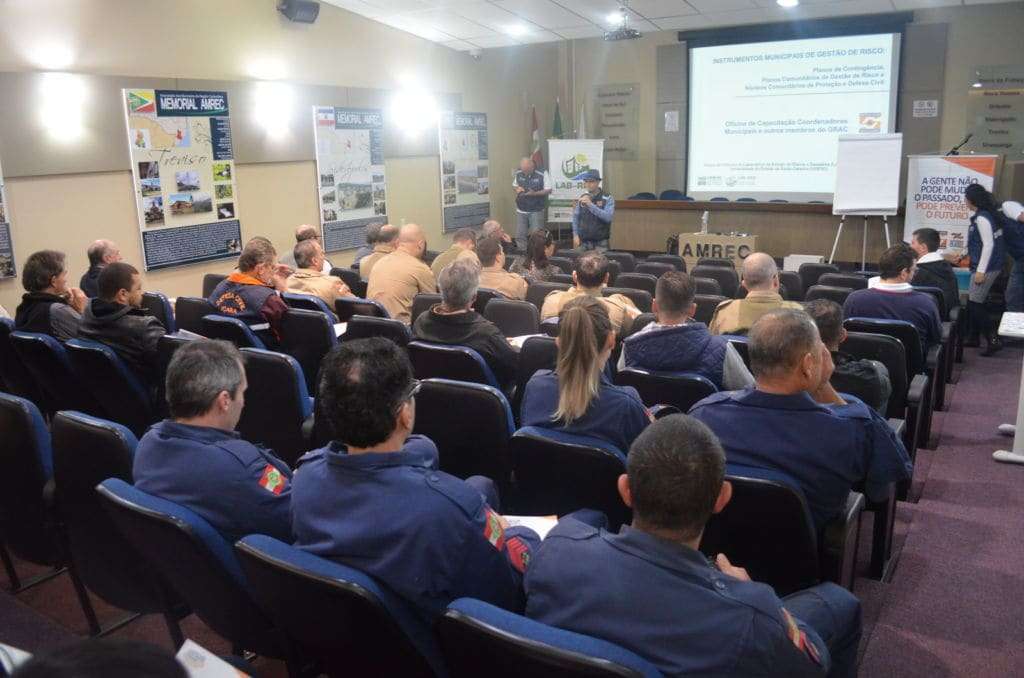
{"x":954,"y":314}
{"x":918,"y":388}
{"x":659,"y":411}
{"x":947,"y":332}
{"x":307,"y":431}
{"x":50,"y":494}
{"x":932,"y":359}
{"x":898,"y":426}
{"x":839,"y":543}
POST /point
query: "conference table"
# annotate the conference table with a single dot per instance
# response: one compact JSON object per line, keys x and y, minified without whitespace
{"x":781,"y":228}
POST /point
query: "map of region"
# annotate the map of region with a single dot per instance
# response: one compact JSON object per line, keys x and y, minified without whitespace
{"x":160,"y":134}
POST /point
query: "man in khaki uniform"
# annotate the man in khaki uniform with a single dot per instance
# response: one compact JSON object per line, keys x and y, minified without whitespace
{"x":309,"y":277}
{"x":590,"y":276}
{"x":494,"y":276}
{"x":761,"y":278}
{"x":387,"y":241}
{"x":401,"y":275}
{"x":463,"y":247}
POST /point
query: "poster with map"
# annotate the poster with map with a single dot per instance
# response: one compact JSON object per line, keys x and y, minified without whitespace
{"x":184,"y":175}
{"x":465,"y":181}
{"x":6,"y":247}
{"x":351,"y":189}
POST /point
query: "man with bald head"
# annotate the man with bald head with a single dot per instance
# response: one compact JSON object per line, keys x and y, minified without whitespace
{"x":761,"y":278}
{"x":777,"y":427}
{"x":305,"y":232}
{"x":101,"y":253}
{"x":385,"y":243}
{"x":401,"y":275}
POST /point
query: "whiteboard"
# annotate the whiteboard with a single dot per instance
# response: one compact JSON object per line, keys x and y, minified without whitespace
{"x":868,"y":174}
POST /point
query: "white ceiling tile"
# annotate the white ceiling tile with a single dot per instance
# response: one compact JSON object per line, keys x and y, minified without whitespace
{"x":395,"y":6}
{"x":359,"y":7}
{"x":692,"y":22}
{"x":402,"y":22}
{"x":544,"y":13}
{"x":744,"y":16}
{"x":446,"y":21}
{"x":922,"y":4}
{"x":460,"y":45}
{"x":494,"y":41}
{"x":580,"y":33}
{"x":539,"y":36}
{"x":657,"y":9}
{"x":492,"y":17}
{"x":719,"y":6}
{"x":987,"y":2}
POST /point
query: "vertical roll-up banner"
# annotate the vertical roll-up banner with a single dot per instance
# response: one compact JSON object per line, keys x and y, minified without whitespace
{"x":569,"y":158}
{"x":935,"y":194}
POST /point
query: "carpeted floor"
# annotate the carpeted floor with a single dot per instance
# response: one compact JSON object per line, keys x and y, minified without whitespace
{"x":953,"y":607}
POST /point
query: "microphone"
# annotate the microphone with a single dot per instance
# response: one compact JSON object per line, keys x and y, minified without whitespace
{"x":956,"y":149}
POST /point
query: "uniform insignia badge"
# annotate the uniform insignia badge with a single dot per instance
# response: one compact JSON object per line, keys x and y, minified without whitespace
{"x":493,"y":531}
{"x":273,"y":480}
{"x":799,"y":638}
{"x":518,"y":554}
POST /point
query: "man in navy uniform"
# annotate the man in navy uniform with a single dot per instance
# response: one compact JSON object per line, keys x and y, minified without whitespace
{"x":651,"y":591}
{"x":779,"y":427}
{"x":532,"y":190}
{"x":375,"y":500}
{"x":196,"y":459}
{"x":592,"y":215}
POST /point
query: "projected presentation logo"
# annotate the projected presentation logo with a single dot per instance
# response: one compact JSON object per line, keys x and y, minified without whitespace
{"x":574,"y":165}
{"x":870,"y":122}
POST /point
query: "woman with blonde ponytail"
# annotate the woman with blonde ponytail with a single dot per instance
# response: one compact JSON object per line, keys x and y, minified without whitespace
{"x":578,"y":397}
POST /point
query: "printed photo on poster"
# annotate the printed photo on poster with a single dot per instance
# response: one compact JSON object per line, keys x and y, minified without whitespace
{"x":465,"y":186}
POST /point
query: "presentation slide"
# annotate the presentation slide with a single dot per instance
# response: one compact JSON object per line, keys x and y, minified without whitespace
{"x":765,"y":118}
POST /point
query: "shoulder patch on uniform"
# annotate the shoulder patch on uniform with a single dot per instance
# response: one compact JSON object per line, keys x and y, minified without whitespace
{"x":493,"y":531}
{"x":273,"y":480}
{"x":799,"y":638}
{"x":518,"y":553}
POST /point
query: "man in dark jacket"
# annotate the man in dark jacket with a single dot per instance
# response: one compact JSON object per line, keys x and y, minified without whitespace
{"x":115,"y":318}
{"x":677,"y":343}
{"x":932,"y":269}
{"x":454,"y":321}
{"x":101,"y":254}
{"x":49,"y":306}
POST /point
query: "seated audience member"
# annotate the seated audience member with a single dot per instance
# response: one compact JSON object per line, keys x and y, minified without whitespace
{"x":778,"y":426}
{"x":386,"y":243}
{"x":578,"y":397}
{"x":534,"y":265}
{"x":678,"y":343}
{"x":372,"y":237}
{"x":101,"y":253}
{"x":375,"y":500}
{"x":590,"y":276}
{"x":196,"y":458}
{"x":761,"y":278}
{"x":454,"y":322}
{"x":49,"y":306}
{"x":649,"y":590}
{"x":252,"y":294}
{"x":306,"y":233}
{"x":493,"y":229}
{"x":102,"y":658}
{"x":309,"y":277}
{"x":893,"y":298}
{"x":116,"y":319}
{"x":494,"y":276}
{"x":400,"y":276}
{"x":932,"y":269}
{"x":866,"y":379}
{"x":463,"y":247}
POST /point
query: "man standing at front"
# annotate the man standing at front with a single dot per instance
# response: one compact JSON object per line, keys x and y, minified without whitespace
{"x":532,"y":190}
{"x":592,"y":215}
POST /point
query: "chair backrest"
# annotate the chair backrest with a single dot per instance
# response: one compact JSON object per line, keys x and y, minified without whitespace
{"x":230,"y":329}
{"x":558,"y":473}
{"x":836,"y":294}
{"x":536,"y":292}
{"x":190,"y":311}
{"x":118,"y":391}
{"x":742,"y":346}
{"x":706,"y":305}
{"x":778,"y":200}
{"x":627,"y":262}
{"x":674,"y":260}
{"x":672,"y":194}
{"x":794,"y":285}
{"x":471,"y":425}
{"x":679,"y":389}
{"x":902,"y":330}
{"x":890,"y":352}
{"x":346,"y":307}
{"x":210,"y":282}
{"x":719,"y":199}
{"x":810,"y":272}
{"x":513,"y":317}
{"x":307,"y":336}
{"x":364,"y":327}
{"x":644,"y":195}
{"x":277,"y":403}
{"x":157,"y":305}
{"x":50,"y":366}
{"x":725,"y":276}
{"x":14,"y":376}
{"x":614,"y":270}
{"x":563,"y":263}
{"x":655,"y":268}
{"x":307,"y":302}
{"x":639,"y":281}
{"x":716,"y":261}
{"x":537,"y":353}
{"x":165,"y":348}
{"x":854,"y":282}
{"x":442,"y":361}
{"x":195,"y":560}
{"x":483,"y":297}
{"x":767,"y":527}
{"x":346,"y":621}
{"x":746,"y":199}
{"x":429,"y":256}
{"x":640,"y":298}
{"x":480,"y":639}
{"x":28,"y":465}
{"x":938,"y":296}
{"x":87,"y":451}
{"x":707,"y":286}
{"x":642,"y":321}
{"x":352,"y":278}
{"x":564,"y":278}
{"x":422,"y":303}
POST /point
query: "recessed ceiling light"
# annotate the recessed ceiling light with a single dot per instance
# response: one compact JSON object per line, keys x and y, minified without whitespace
{"x":787,"y":3}
{"x":615,"y":18}
{"x":517,"y":29}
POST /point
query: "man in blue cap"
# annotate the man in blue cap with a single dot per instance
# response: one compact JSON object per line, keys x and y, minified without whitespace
{"x":592,"y":215}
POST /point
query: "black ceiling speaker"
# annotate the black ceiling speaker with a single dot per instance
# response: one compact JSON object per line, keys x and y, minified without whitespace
{"x":299,"y":11}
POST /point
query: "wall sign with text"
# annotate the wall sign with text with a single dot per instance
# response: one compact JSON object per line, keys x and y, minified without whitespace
{"x":6,"y":247}
{"x":465,"y":179}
